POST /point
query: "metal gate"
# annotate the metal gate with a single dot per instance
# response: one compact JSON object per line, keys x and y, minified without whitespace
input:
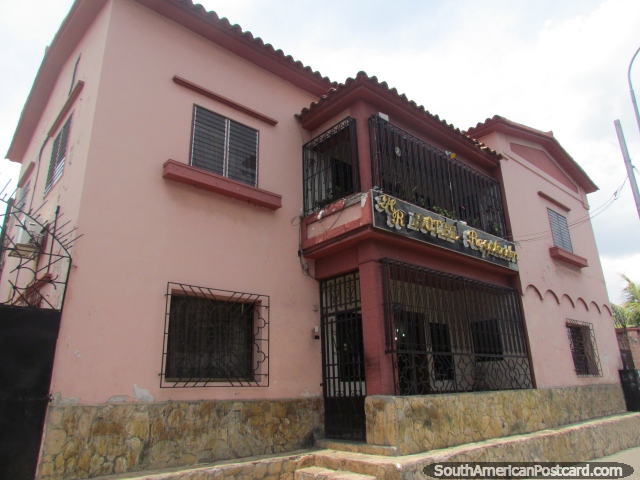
{"x":27,"y":347}
{"x":343,"y":378}
{"x":34,"y":270}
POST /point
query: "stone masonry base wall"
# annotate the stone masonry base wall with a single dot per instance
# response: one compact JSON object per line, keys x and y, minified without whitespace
{"x":83,"y":441}
{"x":423,"y":423}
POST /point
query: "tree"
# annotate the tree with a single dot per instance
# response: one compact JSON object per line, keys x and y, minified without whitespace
{"x":628,"y":314}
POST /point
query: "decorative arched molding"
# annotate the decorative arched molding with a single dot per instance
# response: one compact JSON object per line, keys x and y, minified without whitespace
{"x":597,"y":307}
{"x":534,"y":289}
{"x":583,"y":303}
{"x":573,"y":304}
{"x":553,"y":294}
{"x":607,"y":309}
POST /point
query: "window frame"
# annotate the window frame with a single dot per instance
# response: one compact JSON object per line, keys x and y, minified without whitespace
{"x":228,"y":122}
{"x":59,"y":154}
{"x":220,"y":338}
{"x":584,"y":352}
{"x":560,"y":230}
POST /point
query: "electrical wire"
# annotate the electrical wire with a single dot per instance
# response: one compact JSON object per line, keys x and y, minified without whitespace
{"x":576,"y":223}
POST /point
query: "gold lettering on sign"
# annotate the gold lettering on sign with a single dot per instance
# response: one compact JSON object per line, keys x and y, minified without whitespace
{"x":427,"y":225}
{"x":395,"y":217}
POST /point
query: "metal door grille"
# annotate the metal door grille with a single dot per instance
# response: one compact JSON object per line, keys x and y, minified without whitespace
{"x":343,"y":376}
{"x":410,"y":169}
{"x":452,"y":334}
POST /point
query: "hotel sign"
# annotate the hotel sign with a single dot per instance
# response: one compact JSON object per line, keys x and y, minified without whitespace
{"x":408,"y":220}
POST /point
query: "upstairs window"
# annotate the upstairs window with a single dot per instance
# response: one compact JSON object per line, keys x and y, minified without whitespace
{"x":560,"y":230}
{"x":224,"y":147}
{"x":330,"y":163}
{"x":58,"y":156}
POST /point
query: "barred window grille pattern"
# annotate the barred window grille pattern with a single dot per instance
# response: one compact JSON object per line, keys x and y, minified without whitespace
{"x":224,"y":147}
{"x":330,"y":166}
{"x":448,"y":333}
{"x":58,"y":156}
{"x":583,"y":348}
{"x":343,"y":375}
{"x":414,"y":171}
{"x":215,"y":338}
{"x":560,"y":230}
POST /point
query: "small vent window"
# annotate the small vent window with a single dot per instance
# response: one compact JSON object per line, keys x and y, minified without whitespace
{"x":58,"y":156}
{"x":560,"y":230}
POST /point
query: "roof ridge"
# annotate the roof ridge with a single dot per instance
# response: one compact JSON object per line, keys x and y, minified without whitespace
{"x":362,"y":76}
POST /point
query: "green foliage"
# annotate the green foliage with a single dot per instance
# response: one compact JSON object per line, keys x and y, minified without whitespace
{"x":628,"y":314}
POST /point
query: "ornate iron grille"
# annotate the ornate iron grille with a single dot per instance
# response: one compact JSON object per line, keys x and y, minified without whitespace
{"x":583,"y":348}
{"x":330,"y":166}
{"x":452,"y":334}
{"x":410,"y":169}
{"x":35,"y":256}
{"x":343,"y":378}
{"x":215,"y":338}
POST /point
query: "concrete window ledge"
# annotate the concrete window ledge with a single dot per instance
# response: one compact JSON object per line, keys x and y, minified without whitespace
{"x":568,"y":257}
{"x":183,"y":173}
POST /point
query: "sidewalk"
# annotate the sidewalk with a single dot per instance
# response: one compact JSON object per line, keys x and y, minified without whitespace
{"x":630,"y":457}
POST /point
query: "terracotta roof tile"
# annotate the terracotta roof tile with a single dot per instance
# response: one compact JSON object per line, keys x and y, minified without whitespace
{"x":341,"y":89}
{"x":223,"y":23}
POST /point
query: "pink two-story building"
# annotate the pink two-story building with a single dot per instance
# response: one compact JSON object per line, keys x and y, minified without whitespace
{"x":267,"y":257}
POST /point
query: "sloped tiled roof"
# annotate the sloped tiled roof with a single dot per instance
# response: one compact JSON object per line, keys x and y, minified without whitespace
{"x":546,"y":139}
{"x":344,"y":91}
{"x":213,"y":20}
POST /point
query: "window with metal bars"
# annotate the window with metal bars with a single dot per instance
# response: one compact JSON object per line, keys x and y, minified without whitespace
{"x":583,"y":348}
{"x":448,"y":333}
{"x":215,"y":338}
{"x":560,"y":230}
{"x":224,"y":147}
{"x":58,"y":156}
{"x":330,"y":166}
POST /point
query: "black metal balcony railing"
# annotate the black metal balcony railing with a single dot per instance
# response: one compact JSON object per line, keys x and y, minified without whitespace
{"x":412,"y":170}
{"x":448,"y":333}
{"x":330,"y":166}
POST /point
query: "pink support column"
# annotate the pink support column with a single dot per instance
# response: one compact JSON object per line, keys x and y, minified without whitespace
{"x":378,"y":365}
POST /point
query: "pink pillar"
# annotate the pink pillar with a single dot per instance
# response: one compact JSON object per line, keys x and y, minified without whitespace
{"x":378,"y":365}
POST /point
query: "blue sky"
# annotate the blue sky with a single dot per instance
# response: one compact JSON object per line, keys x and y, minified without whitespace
{"x":557,"y":65}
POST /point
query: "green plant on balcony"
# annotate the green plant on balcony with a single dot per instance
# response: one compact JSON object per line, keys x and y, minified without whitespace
{"x":444,"y":213}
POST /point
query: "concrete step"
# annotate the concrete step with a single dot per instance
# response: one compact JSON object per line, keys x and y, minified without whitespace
{"x":319,"y":473}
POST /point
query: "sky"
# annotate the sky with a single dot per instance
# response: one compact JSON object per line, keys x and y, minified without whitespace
{"x":558,"y":65}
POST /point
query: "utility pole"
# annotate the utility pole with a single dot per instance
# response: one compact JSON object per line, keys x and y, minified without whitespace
{"x":627,"y":163}
{"x":633,"y":95}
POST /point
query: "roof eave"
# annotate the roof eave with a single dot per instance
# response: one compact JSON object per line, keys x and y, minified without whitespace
{"x":74,"y":26}
{"x":548,"y":141}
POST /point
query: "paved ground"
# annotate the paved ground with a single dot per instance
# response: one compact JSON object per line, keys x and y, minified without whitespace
{"x":630,"y":457}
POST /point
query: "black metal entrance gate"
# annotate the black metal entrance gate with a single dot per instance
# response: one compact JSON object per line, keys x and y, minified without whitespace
{"x":27,"y":347}
{"x":343,"y":380}
{"x":34,"y":271}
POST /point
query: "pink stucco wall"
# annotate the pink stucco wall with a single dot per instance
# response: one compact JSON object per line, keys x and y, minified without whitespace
{"x":554,"y":291}
{"x":142,"y":231}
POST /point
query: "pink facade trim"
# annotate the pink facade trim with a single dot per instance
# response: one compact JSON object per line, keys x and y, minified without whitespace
{"x":219,"y":98}
{"x":182,"y":173}
{"x":66,"y":108}
{"x":563,"y":255}
{"x":554,"y":201}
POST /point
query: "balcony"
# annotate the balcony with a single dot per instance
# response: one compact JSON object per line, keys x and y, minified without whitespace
{"x":410,"y":169}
